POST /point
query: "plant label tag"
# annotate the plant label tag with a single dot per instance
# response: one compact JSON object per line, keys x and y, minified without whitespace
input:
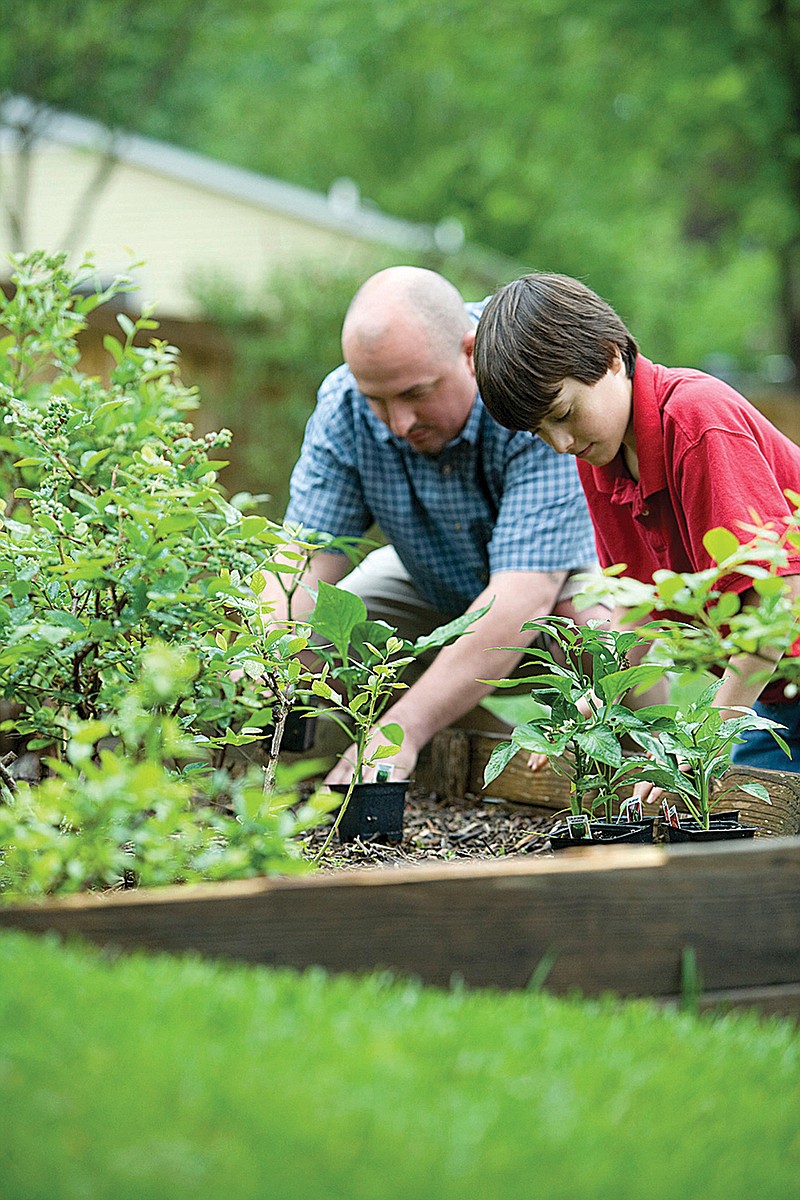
{"x":579,"y":827}
{"x":671,"y":815}
{"x":631,"y":810}
{"x":383,"y":774}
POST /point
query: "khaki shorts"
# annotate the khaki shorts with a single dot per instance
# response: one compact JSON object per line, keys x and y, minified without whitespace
{"x":389,"y":593}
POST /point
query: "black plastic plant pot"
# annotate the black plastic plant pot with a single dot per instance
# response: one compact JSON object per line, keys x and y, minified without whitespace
{"x":718,"y":831}
{"x":604,"y":833}
{"x":374,"y":812}
{"x":298,"y":733}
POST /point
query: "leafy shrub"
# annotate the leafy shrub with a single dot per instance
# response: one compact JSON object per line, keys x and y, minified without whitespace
{"x":132,"y":637}
{"x":116,"y":531}
{"x":122,"y":812}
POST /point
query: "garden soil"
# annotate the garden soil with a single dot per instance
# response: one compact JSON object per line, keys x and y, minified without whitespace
{"x":443,"y":831}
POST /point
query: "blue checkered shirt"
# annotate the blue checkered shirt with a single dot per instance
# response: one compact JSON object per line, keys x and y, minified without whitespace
{"x":492,"y":500}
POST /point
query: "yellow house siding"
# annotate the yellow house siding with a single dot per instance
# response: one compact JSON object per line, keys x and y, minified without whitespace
{"x":177,"y":229}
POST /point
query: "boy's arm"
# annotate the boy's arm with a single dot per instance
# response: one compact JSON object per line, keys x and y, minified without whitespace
{"x":745,"y":678}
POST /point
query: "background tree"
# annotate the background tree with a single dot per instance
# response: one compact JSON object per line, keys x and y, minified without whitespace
{"x":651,"y":150}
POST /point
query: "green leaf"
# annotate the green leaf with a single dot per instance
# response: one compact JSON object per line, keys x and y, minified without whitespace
{"x":90,"y":458}
{"x":393,"y":733}
{"x":113,"y":347}
{"x":453,"y":629}
{"x":176,"y":522}
{"x":58,"y":617}
{"x":531,"y":737}
{"x":335,"y":615}
{"x":727,"y":606}
{"x":253,"y":526}
{"x":720,"y":543}
{"x":601,"y":745}
{"x":619,"y":682}
{"x":669,"y":585}
{"x":755,"y":789}
{"x":369,"y":639}
{"x":498,"y":761}
{"x":773,"y":585}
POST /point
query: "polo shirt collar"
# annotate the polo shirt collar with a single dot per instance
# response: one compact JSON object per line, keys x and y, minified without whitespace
{"x":649,"y":440}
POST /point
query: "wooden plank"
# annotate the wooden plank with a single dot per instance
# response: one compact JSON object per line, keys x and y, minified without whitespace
{"x":782,"y":1000}
{"x":782,"y":815}
{"x":455,"y":765}
{"x":611,"y":919}
{"x":544,"y":788}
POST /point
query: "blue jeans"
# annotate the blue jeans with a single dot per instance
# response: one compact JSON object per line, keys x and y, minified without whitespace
{"x":759,"y":748}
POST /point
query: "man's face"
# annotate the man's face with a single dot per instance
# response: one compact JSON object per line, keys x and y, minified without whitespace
{"x":592,"y":421}
{"x":424,"y":396}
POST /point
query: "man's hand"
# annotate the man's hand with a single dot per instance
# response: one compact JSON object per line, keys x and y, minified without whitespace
{"x":400,"y":765}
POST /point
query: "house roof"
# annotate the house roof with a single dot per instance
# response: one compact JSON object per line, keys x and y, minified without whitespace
{"x":341,"y":210}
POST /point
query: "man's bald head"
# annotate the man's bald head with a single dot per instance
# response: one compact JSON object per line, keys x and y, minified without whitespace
{"x":407,"y":297}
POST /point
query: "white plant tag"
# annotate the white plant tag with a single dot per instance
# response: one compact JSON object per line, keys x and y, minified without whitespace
{"x":579,"y":828}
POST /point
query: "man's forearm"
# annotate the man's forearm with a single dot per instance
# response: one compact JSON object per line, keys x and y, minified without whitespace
{"x":450,"y":687}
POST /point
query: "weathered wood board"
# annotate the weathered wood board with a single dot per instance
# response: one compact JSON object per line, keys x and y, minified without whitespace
{"x":614,"y":920}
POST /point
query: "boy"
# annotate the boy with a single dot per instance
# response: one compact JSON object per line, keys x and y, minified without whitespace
{"x":663,"y":454}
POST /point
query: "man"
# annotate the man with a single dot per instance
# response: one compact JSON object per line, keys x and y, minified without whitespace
{"x":472,"y":512}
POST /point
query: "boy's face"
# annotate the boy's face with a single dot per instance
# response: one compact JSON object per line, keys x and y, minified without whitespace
{"x":592,"y":421}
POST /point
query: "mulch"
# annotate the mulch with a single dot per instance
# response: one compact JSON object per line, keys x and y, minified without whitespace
{"x":438,"y":830}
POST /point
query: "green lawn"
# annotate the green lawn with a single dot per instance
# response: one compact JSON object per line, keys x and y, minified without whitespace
{"x":168,"y":1078}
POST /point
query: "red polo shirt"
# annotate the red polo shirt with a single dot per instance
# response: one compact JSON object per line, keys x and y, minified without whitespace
{"x":707,"y":458}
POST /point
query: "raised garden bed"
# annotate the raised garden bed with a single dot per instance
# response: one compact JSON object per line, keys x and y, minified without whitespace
{"x":456,"y":760}
{"x":603,"y":919}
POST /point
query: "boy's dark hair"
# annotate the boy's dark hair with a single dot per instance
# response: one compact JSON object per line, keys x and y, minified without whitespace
{"x":536,"y":332}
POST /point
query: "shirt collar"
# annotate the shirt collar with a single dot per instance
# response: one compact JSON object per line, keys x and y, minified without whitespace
{"x":649,"y":440}
{"x":648,"y":428}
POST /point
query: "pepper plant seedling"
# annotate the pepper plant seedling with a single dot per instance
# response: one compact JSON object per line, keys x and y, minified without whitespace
{"x":580,"y":685}
{"x":694,"y":751}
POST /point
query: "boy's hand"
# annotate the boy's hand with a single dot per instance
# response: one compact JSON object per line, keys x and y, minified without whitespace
{"x":537,"y":761}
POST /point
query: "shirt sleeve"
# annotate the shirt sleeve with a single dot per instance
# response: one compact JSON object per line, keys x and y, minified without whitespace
{"x":543,"y":521}
{"x":325,"y":488}
{"x":724,"y":478}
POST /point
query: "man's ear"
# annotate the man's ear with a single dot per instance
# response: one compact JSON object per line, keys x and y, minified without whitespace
{"x":468,"y":345}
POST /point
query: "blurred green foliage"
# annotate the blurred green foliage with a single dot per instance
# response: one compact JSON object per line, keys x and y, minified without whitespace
{"x":282,"y":346}
{"x":652,"y":150}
